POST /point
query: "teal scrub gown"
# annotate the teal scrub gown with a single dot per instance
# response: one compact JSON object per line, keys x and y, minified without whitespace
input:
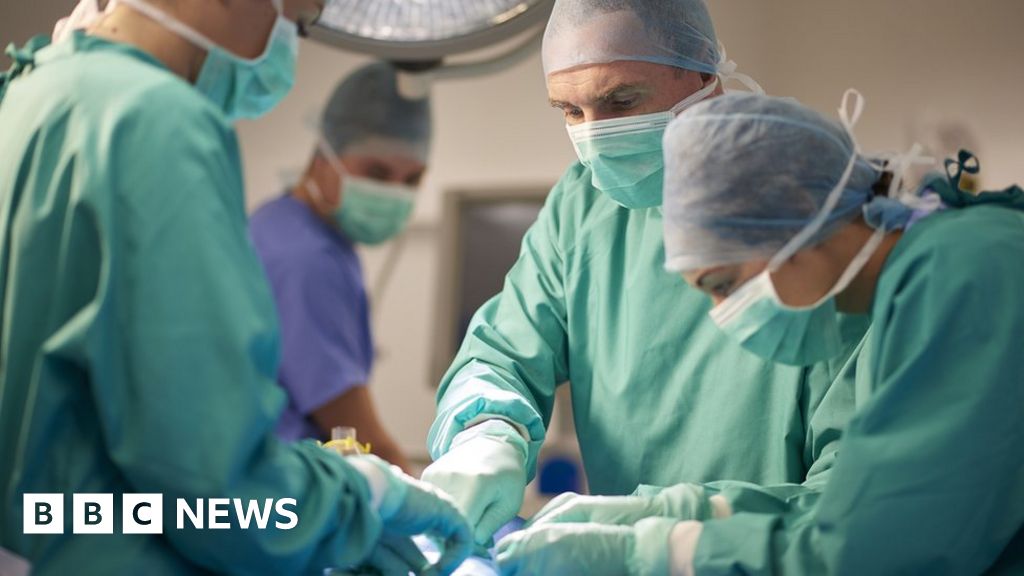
{"x":139,"y":344}
{"x":659,"y":394}
{"x":930,"y":476}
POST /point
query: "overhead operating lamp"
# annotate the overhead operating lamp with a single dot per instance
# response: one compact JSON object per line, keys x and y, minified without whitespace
{"x":420,"y":36}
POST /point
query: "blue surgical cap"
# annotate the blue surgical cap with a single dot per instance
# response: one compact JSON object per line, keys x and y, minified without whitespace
{"x":745,"y":173}
{"x":366,"y":112}
{"x":675,"y":33}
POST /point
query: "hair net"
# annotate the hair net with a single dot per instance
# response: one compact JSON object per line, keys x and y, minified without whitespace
{"x":671,"y":32}
{"x":745,"y":173}
{"x":366,"y":114}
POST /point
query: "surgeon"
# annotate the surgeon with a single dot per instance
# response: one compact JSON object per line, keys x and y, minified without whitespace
{"x":358,"y":189}
{"x":780,"y":218}
{"x":139,"y":342}
{"x":659,"y":394}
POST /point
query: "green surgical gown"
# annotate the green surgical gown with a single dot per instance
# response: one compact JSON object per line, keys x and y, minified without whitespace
{"x":659,"y":394}
{"x":930,"y":477}
{"x":139,"y":342}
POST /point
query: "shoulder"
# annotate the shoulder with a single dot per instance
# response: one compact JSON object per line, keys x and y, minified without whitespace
{"x":958,"y":259}
{"x":972,"y":236}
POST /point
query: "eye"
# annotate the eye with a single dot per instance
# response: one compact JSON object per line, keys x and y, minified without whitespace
{"x":573,"y":113}
{"x":721,"y":289}
{"x":717,"y":285}
{"x":378,"y":172}
{"x":624,"y":104}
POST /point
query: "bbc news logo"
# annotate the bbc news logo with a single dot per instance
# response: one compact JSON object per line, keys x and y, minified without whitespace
{"x":144,"y":513}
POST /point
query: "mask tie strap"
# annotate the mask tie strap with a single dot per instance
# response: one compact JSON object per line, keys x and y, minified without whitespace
{"x":332,"y":159}
{"x":171,"y":23}
{"x":692,"y":100}
{"x":849,"y":118}
{"x":727,"y":71}
{"x":966,"y":162}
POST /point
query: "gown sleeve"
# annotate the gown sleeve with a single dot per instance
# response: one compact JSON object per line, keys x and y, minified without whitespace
{"x":515,"y":351}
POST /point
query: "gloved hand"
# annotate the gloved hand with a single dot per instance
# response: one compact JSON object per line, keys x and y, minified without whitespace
{"x":681,"y":502}
{"x":409,"y":507}
{"x":591,"y":549}
{"x":395,"y":554}
{"x":485,"y":472}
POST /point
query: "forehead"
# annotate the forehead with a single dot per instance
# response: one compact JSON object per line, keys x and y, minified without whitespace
{"x":585,"y":85}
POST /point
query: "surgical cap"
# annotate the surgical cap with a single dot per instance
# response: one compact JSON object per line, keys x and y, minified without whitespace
{"x":366,"y":114}
{"x":745,"y":173}
{"x":675,"y":33}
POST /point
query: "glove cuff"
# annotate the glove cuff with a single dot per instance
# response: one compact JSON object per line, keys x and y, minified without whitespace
{"x":387,"y":491}
{"x":651,"y":547}
{"x":499,"y":430}
{"x":684,"y":502}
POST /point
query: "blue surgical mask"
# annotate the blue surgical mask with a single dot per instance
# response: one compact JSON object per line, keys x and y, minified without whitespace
{"x":625,"y":155}
{"x":240,"y":87}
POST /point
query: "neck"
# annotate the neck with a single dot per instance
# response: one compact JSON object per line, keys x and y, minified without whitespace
{"x":127,"y":26}
{"x":859,"y":295}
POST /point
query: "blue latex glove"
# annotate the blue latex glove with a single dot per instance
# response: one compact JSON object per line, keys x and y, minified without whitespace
{"x":591,"y":549}
{"x":682,"y":502}
{"x":409,"y":507}
{"x":485,"y":473}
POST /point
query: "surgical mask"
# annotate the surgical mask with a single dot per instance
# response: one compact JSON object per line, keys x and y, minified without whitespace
{"x":757,"y":318}
{"x":624,"y":155}
{"x":240,"y":87}
{"x":797,"y":335}
{"x":370,"y":212}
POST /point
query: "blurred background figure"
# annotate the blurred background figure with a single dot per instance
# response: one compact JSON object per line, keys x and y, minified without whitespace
{"x":358,"y":189}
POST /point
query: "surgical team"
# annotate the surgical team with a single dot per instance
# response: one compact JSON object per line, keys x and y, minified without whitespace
{"x":814,"y":353}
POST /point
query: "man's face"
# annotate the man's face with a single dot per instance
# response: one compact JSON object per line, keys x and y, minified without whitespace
{"x":618,"y":89}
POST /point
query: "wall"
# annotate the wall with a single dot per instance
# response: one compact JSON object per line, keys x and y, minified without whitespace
{"x":20,"y":20}
{"x":912,"y":60}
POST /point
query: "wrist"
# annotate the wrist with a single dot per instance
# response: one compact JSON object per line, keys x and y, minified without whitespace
{"x":387,"y":491}
{"x":651,"y":554}
{"x":498,"y":431}
{"x":684,"y":502}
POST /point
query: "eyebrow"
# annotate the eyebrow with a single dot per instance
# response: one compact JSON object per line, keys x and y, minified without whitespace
{"x":617,"y":92}
{"x":609,"y":96}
